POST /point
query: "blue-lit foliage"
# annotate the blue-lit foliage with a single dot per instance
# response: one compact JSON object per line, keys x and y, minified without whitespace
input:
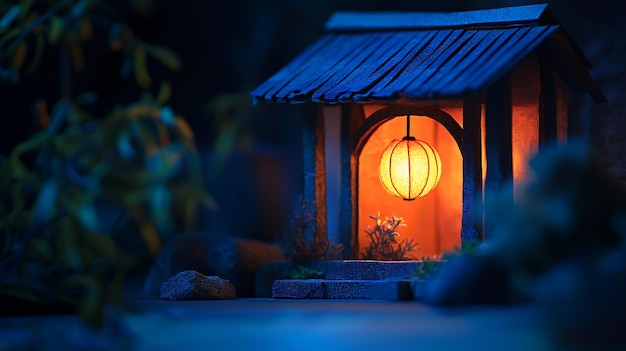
{"x":78,"y":189}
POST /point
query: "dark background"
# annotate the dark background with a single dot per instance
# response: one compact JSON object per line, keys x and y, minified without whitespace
{"x":229,"y":47}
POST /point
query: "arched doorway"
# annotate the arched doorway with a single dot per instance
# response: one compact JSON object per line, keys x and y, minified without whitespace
{"x":433,"y":221}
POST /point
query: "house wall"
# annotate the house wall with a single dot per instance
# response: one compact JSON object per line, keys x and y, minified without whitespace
{"x":525,"y":122}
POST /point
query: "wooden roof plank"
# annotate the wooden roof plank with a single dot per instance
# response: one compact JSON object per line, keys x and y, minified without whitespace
{"x":421,"y":63}
{"x":314,"y":71}
{"x":509,"y":56}
{"x":439,"y":67}
{"x":494,"y":41}
{"x":378,"y":47}
{"x":364,"y":75}
{"x":456,"y":79}
{"x":461,"y":62}
{"x":413,"y":49}
{"x":341,"y":21}
{"x":357,"y":54}
{"x":287,"y":72}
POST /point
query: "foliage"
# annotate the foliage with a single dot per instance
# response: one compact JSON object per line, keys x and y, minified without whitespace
{"x":303,"y":272}
{"x":383,"y":243}
{"x":72,"y":193}
{"x":427,"y":268}
{"x":318,"y":247}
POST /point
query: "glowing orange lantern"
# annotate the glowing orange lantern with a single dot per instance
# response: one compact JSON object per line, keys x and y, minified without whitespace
{"x":409,"y":168}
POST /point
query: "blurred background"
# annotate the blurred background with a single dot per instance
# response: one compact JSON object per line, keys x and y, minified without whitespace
{"x":229,"y":47}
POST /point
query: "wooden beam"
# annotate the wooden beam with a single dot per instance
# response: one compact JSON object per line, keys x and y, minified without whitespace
{"x":320,"y":177}
{"x":352,"y":115}
{"x":547,"y":99}
{"x":472,"y":217}
{"x":314,"y":167}
{"x":498,"y":145}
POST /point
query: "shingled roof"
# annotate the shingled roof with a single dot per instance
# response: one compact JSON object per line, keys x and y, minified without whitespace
{"x":390,"y":55}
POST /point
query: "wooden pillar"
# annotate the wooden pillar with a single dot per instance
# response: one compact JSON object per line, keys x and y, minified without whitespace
{"x":547,"y":99}
{"x":352,"y":115}
{"x":472,"y":218}
{"x":498,"y":146}
{"x":314,"y":166}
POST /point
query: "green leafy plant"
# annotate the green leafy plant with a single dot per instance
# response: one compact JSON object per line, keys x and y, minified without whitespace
{"x":301,"y":249}
{"x":384,"y":245}
{"x":300,"y":271}
{"x":76,"y":191}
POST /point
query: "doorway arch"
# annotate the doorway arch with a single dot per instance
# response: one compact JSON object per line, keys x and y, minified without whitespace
{"x":433,"y":221}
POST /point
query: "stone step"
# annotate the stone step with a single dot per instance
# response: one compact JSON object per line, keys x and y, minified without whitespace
{"x":337,"y":270}
{"x":388,"y":289}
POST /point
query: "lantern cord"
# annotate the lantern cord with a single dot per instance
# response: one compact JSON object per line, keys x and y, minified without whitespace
{"x":408,"y":125}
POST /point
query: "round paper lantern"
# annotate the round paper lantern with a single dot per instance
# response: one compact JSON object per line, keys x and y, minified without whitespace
{"x":409,"y":168}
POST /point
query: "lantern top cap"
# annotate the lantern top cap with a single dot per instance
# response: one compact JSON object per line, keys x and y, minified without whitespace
{"x":354,"y":21}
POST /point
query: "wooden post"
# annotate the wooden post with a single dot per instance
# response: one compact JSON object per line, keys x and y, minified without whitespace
{"x":472,"y":218}
{"x":498,"y":146}
{"x":547,"y":99}
{"x":314,"y":166}
{"x":352,"y":115}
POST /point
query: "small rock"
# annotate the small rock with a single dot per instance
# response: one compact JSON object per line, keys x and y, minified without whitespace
{"x":234,"y":259}
{"x":191,"y":285}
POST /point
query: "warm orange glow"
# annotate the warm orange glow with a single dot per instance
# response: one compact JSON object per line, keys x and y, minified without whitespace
{"x":433,"y":221}
{"x":409,"y":168}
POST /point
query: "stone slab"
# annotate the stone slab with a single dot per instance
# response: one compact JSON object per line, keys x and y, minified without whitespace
{"x":390,"y":289}
{"x":337,"y":270}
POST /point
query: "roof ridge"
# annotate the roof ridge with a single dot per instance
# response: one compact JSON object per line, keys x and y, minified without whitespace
{"x":364,"y":21}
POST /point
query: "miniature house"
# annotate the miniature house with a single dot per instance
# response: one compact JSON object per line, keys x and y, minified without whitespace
{"x":486,"y":89}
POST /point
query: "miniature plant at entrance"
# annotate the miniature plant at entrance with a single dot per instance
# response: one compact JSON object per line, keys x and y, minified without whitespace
{"x":317,"y":247}
{"x":384,"y":244}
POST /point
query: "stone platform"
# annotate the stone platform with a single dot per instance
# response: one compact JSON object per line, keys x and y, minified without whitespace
{"x":347,"y":279}
{"x":342,"y":289}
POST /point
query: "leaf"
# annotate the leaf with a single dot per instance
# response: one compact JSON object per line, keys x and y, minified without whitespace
{"x":89,"y":218}
{"x":25,"y":7}
{"x":165,"y":55}
{"x":19,"y":56}
{"x":10,"y":16}
{"x":141,"y":71}
{"x":40,"y":45}
{"x":151,"y":238}
{"x":115,"y":33}
{"x":45,"y":205}
{"x":40,"y":249}
{"x":165,"y":93}
{"x":59,"y":115}
{"x":68,"y":248}
{"x":167,"y":116}
{"x":103,"y":244}
{"x":55,"y":30}
{"x":125,"y":147}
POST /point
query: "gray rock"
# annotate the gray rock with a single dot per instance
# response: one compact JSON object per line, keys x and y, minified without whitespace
{"x":191,"y":285}
{"x":234,"y":259}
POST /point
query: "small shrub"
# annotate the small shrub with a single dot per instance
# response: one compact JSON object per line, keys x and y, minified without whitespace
{"x":384,"y":245}
{"x":317,"y":247}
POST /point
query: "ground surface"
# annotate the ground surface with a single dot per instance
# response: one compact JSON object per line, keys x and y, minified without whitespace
{"x":268,"y":324}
